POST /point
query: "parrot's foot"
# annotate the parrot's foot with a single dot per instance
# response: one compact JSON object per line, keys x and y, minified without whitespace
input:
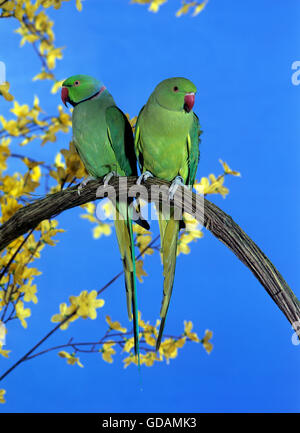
{"x":178,"y":181}
{"x":144,"y":177}
{"x":108,"y":177}
{"x":84,"y":183}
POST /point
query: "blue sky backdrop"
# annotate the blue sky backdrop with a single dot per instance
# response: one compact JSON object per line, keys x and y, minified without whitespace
{"x":239,"y":55}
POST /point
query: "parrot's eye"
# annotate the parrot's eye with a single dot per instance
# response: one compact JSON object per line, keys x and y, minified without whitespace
{"x":76,"y":83}
{"x":175,"y":89}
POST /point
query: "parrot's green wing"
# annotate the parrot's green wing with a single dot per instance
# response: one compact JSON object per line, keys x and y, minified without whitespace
{"x":121,"y":139}
{"x":138,"y":152}
{"x":193,"y":150}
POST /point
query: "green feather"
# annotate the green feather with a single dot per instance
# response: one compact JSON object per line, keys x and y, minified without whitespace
{"x":167,"y":145}
{"x":103,"y":138}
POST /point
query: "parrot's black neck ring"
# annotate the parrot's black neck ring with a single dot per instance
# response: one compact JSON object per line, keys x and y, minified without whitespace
{"x":87,"y":99}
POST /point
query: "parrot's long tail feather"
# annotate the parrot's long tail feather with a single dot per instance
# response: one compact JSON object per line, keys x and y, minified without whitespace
{"x":123,"y":225}
{"x":134,"y":299}
{"x":169,"y":229}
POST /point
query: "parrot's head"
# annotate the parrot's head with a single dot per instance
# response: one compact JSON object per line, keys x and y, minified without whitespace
{"x":176,"y":94}
{"x":79,"y":88}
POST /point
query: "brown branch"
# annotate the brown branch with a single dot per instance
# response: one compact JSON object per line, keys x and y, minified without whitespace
{"x":215,"y":220}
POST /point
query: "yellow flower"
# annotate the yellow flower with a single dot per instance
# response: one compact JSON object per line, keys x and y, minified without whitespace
{"x":4,"y":91}
{"x":208,"y":346}
{"x":12,"y":127}
{"x":147,"y":326}
{"x":12,"y":185}
{"x":185,"y":8}
{"x":36,"y":173}
{"x":20,"y":110}
{"x":33,"y":248}
{"x":140,"y":230}
{"x":108,"y":209}
{"x":65,"y":311}
{"x":107,"y":351}
{"x":129,"y":344}
{"x":4,"y":152}
{"x":181,"y":342}
{"x":43,"y":76}
{"x":19,"y":12}
{"x":90,"y":208}
{"x":22,"y":313}
{"x":188,"y":326}
{"x":149,"y":339}
{"x":2,"y":393}
{"x":52,"y":55}
{"x":9,"y":207}
{"x":150,"y":358}
{"x":70,"y":357}
{"x":75,"y":167}
{"x":30,"y":9}
{"x":131,"y":359}
{"x":8,"y":6}
{"x":79,"y":5}
{"x":4,"y":352}
{"x":132,"y":121}
{"x":64,"y":118}
{"x":30,"y":292}
{"x":26,"y":272}
{"x":228,"y":170}
{"x":48,"y":230}
{"x":58,"y":162}
{"x":56,"y":86}
{"x":143,"y":240}
{"x":199,"y":8}
{"x":87,"y":304}
{"x":148,"y":333}
{"x":101,"y":229}
{"x":169,"y":348}
{"x":140,"y":272}
{"x":115,"y":325}
{"x":190,"y":234}
{"x":212,"y":185}
{"x":183,"y":241}
{"x":155,"y":5}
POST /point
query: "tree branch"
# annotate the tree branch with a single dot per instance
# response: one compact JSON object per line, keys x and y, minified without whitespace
{"x":215,"y":220}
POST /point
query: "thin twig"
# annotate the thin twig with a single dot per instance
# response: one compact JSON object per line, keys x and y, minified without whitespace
{"x":66,"y":319}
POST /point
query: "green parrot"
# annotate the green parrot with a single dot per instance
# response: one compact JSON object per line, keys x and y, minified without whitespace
{"x":167,"y":140}
{"x":104,"y":141}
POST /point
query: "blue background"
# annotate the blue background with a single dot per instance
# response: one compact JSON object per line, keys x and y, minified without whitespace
{"x":239,"y":54}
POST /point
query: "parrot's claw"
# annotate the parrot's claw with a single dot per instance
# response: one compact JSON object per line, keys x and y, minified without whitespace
{"x":144,"y":177}
{"x":178,"y":181}
{"x":108,"y":177}
{"x":84,"y":183}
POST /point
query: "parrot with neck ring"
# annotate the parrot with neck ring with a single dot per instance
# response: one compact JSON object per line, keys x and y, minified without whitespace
{"x":167,"y":137}
{"x":103,"y":138}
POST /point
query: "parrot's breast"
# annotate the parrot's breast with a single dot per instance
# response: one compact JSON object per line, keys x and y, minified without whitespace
{"x":91,"y":138}
{"x":164,"y":141}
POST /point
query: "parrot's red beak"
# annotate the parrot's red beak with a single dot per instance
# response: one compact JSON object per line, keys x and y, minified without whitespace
{"x":189,"y":101}
{"x":64,"y":95}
